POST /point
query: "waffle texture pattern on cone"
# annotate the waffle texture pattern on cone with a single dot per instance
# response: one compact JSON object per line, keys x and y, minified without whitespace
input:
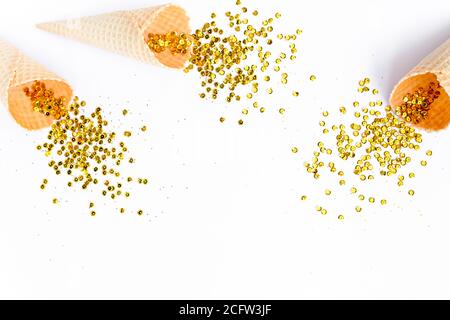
{"x":17,"y":71}
{"x":126,"y":32}
{"x":435,"y":67}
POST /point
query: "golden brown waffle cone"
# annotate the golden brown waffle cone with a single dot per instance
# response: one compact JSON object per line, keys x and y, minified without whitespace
{"x":126,"y":32}
{"x":434,"y":68}
{"x":17,"y":72}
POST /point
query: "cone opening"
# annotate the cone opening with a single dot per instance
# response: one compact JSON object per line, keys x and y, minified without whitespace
{"x":169,"y":18}
{"x":21,"y":107}
{"x":439,"y":114}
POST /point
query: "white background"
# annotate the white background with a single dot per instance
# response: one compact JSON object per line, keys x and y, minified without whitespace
{"x":223,"y":217}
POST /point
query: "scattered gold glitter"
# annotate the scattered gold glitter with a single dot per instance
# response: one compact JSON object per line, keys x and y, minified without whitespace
{"x":377,"y":140}
{"x":79,"y":144}
{"x":235,"y":56}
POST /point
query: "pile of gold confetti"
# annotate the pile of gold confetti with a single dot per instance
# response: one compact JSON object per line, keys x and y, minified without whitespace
{"x":172,"y":41}
{"x":378,"y":142}
{"x":234,"y":59}
{"x":45,"y":102}
{"x":81,"y":147}
{"x":415,"y":106}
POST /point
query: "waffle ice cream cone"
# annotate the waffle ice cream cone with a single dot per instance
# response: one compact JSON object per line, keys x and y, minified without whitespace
{"x":126,"y":32}
{"x":18,"y":72}
{"x":434,"y":68}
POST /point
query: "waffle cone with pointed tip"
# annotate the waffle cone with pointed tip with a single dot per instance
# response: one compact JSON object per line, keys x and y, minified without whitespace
{"x":126,"y":32}
{"x":434,"y":68}
{"x":17,"y":72}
